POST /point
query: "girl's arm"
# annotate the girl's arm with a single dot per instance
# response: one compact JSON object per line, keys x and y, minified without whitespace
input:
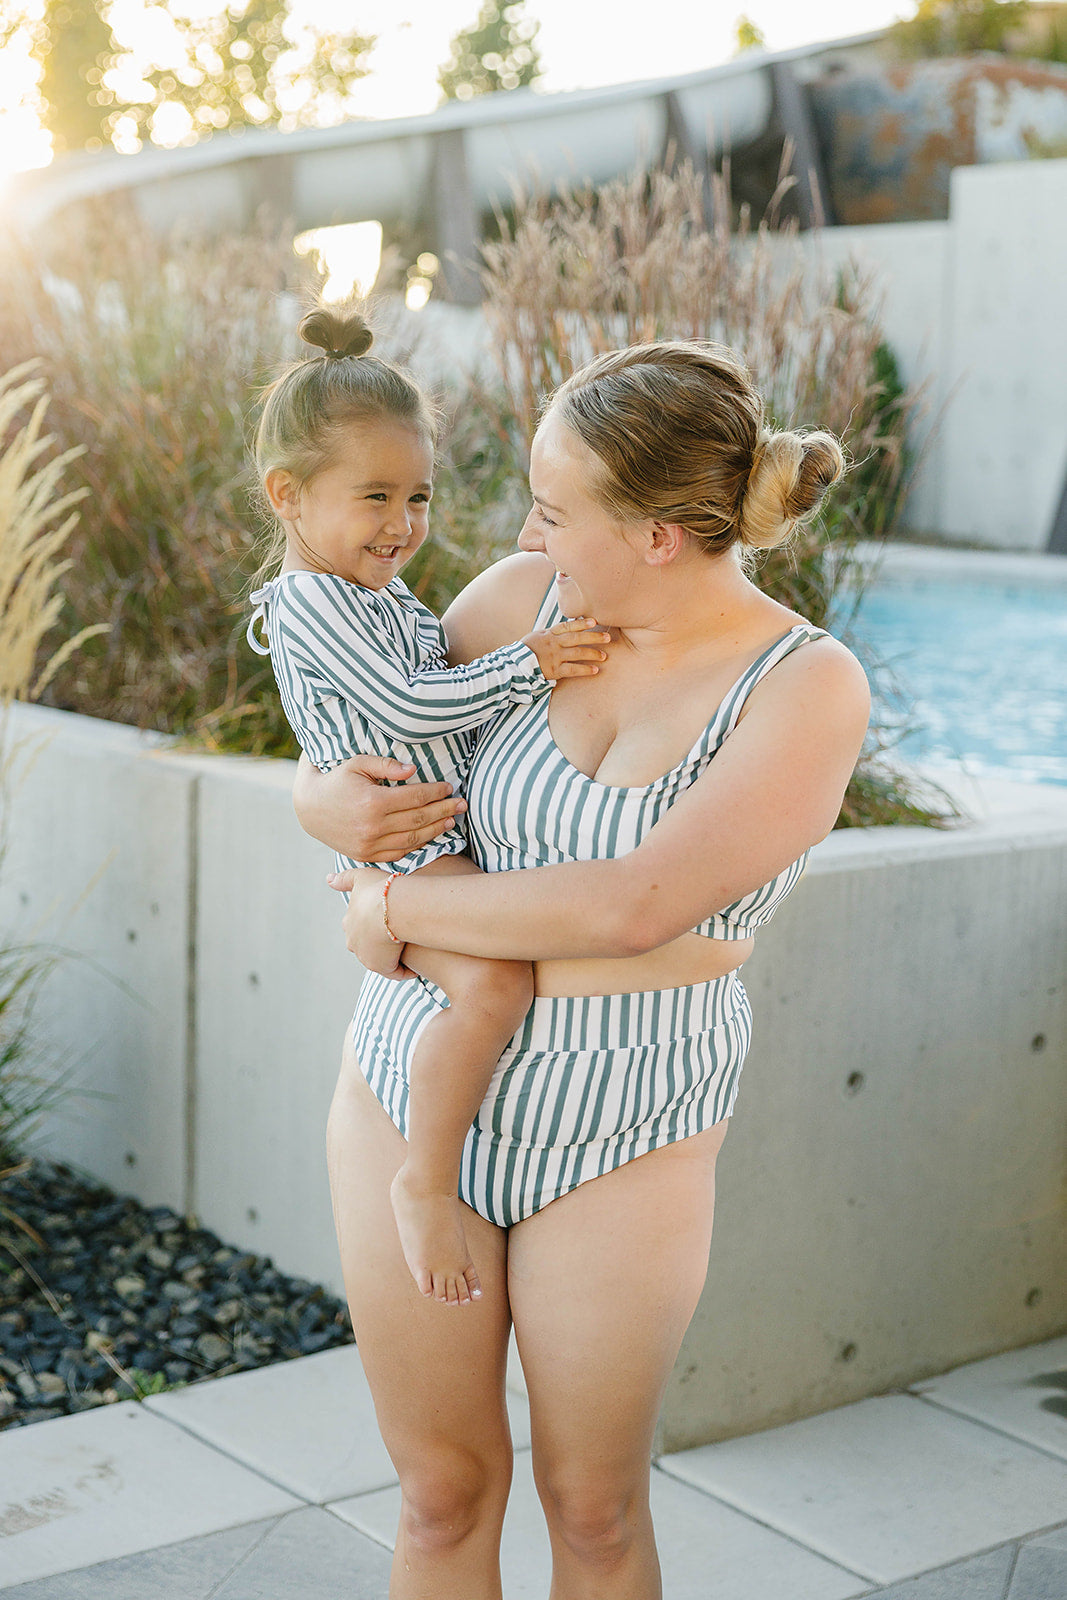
{"x":773,"y":789}
{"x":347,"y":808}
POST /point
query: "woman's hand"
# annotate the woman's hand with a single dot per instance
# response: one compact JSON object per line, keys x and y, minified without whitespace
{"x":366,"y":934}
{"x":350,"y":809}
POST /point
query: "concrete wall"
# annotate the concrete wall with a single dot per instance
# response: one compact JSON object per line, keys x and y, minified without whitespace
{"x":973,"y":308}
{"x":893,"y":1192}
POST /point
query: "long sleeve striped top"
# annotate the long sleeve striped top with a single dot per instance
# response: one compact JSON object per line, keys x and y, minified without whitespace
{"x":364,"y":671}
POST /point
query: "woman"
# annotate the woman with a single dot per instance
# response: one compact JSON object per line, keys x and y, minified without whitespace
{"x":658,"y":811}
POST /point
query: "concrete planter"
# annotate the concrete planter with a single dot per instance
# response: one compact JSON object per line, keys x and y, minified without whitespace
{"x":892,"y":1192}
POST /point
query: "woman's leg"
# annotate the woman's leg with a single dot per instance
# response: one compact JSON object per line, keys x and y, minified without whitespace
{"x":436,"y":1373}
{"x":603,"y":1283}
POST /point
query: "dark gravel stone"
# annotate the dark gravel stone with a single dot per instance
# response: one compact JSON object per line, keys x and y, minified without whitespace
{"x":159,"y":1295}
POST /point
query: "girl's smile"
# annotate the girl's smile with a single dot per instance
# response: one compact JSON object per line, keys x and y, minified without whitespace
{"x":365,"y":515}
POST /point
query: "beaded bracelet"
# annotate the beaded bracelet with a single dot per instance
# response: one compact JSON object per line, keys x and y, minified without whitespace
{"x":385,"y":905}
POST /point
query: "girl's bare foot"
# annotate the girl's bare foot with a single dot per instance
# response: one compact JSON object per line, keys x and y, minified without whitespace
{"x":430,"y":1225}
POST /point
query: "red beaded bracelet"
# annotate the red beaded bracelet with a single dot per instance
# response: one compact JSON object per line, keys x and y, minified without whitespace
{"x":391,"y":879}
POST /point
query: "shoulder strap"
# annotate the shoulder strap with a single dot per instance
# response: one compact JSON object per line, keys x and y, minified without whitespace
{"x":734,"y":703}
{"x":548,"y":612}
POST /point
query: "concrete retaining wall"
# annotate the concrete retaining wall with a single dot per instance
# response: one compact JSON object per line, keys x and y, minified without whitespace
{"x":892,"y":1195}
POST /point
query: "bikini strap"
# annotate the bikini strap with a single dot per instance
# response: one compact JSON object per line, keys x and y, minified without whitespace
{"x":734,"y":703}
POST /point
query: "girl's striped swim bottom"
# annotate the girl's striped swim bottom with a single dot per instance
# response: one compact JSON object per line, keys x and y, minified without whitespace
{"x":587,"y":1083}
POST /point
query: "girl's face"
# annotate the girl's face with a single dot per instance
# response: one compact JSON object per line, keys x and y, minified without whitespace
{"x":363,"y":516}
{"x":596,"y":557}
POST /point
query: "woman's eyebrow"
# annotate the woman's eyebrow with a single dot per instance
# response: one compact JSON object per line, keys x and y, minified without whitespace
{"x":541,"y":501}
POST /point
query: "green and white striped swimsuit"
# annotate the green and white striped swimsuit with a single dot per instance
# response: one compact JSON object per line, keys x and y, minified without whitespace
{"x":588,"y":1082}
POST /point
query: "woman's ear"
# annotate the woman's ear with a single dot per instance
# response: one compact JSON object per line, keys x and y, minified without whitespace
{"x":283,"y":492}
{"x":666,"y":542}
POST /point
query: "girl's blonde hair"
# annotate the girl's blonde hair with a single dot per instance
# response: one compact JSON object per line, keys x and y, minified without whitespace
{"x":307,"y":408}
{"x":681,"y":434}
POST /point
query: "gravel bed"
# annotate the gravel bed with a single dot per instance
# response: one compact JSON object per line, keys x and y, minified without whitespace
{"x":103,"y":1299}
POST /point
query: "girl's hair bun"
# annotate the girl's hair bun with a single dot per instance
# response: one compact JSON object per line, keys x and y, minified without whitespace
{"x":791,"y":473}
{"x":337,"y":335}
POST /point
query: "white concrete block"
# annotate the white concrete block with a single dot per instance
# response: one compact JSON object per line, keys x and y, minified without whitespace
{"x":275,"y":988}
{"x":886,"y":1488}
{"x":112,"y":1481}
{"x":1023,"y":1393}
{"x":97,"y":864}
{"x":1005,"y":432}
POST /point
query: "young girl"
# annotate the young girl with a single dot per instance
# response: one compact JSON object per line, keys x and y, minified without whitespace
{"x":344,"y":452}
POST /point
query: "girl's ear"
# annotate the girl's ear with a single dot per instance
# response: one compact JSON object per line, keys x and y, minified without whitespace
{"x":283,"y":494}
{"x":667,"y":540}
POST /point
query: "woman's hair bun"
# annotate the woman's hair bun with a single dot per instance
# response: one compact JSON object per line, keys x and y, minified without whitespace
{"x":790,"y":475}
{"x":336,"y":334}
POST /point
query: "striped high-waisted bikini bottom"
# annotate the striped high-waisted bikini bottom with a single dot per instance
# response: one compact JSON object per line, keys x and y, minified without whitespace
{"x":586,"y":1084}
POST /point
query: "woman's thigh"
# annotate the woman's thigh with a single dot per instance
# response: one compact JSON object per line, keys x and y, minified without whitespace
{"x":603,"y":1284}
{"x":436,"y":1372}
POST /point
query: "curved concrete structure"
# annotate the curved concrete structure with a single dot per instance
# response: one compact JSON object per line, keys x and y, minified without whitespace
{"x":429,"y":179}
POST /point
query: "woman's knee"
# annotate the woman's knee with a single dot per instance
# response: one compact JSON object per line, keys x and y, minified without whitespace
{"x":451,"y":1494}
{"x":596,"y":1519}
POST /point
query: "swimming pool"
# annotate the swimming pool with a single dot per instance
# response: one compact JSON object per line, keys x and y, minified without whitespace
{"x":976,"y":645}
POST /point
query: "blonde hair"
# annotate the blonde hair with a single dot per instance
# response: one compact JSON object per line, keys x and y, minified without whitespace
{"x":307,"y":408}
{"x":680,"y":431}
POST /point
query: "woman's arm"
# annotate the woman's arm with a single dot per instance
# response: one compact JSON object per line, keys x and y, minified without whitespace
{"x":348,"y":808}
{"x":774,"y":789}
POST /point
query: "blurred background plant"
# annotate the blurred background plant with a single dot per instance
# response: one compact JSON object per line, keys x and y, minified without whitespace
{"x":154,"y":348}
{"x":37,"y":520}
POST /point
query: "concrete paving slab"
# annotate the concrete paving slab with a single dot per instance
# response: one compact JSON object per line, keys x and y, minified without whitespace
{"x":1023,"y":1392}
{"x":113,"y":1481}
{"x":191,"y":1570}
{"x":888,"y":1488}
{"x":982,"y":1578}
{"x":306,"y":1424}
{"x":1041,"y":1570}
{"x":313,"y":1556}
{"x":705,"y":1547}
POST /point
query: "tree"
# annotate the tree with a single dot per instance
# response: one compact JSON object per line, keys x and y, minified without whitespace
{"x":957,"y":27}
{"x":248,"y":63}
{"x":498,"y":52}
{"x":748,"y":36}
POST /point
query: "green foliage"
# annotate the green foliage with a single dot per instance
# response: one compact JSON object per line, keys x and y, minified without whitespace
{"x":246,"y":64}
{"x":958,"y":27}
{"x":498,"y":52}
{"x":748,"y":35}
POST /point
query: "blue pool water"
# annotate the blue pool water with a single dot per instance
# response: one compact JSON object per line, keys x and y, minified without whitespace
{"x":980,"y":671}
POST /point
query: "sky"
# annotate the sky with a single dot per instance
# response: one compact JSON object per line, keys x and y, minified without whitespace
{"x":579,"y":48}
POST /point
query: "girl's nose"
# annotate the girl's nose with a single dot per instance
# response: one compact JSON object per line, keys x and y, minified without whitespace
{"x":529,"y":537}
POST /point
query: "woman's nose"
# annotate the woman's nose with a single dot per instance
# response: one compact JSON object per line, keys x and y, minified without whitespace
{"x":529,"y":537}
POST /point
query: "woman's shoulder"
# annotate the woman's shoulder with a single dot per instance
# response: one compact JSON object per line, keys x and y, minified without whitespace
{"x":817,"y":667}
{"x":499,"y":606}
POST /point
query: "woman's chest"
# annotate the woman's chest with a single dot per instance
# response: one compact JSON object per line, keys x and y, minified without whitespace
{"x":627,"y":729}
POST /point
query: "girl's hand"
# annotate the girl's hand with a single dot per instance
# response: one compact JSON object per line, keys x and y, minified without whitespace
{"x":351,"y":809}
{"x":364,"y":921}
{"x":569,"y":649}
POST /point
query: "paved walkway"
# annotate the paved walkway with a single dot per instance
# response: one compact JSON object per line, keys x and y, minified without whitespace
{"x":274,"y":1485}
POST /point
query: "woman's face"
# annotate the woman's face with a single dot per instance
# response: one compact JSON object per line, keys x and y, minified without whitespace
{"x":596,"y":557}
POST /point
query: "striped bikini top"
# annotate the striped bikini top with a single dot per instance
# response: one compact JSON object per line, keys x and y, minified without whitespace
{"x":527,"y":806}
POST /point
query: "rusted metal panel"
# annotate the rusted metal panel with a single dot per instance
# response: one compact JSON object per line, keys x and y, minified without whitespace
{"x":891,"y":136}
